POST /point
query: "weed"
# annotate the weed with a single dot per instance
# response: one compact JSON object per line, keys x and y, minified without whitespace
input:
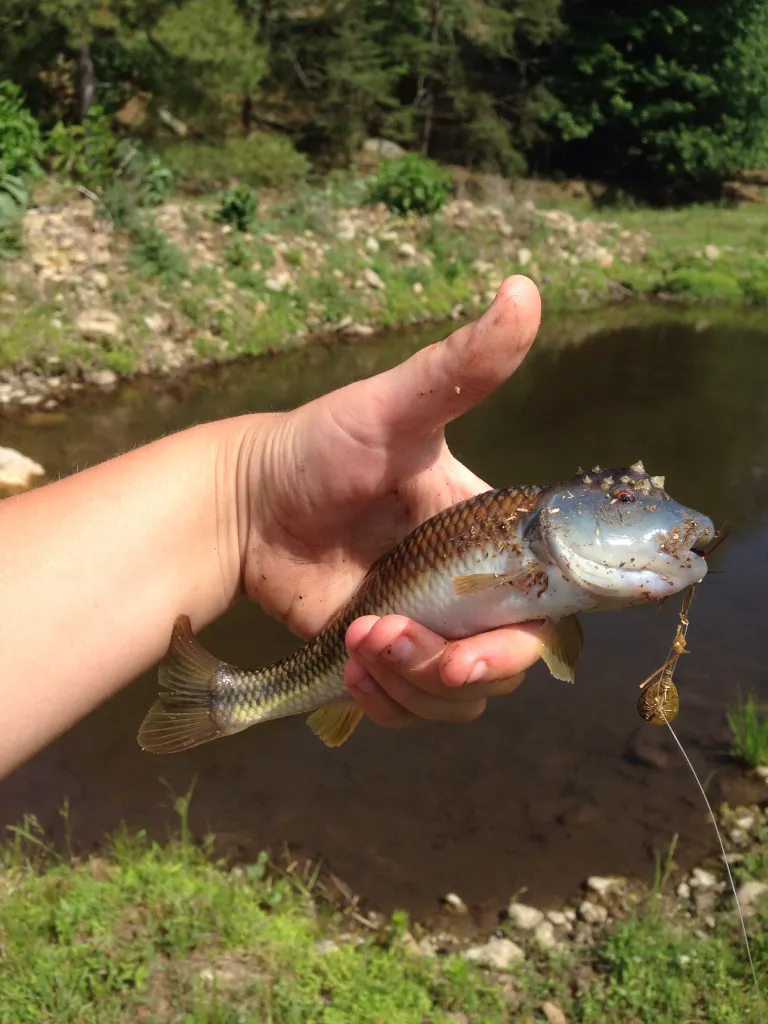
{"x":748,"y":723}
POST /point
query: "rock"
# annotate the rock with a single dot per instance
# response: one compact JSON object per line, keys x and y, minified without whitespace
{"x":711,"y":252}
{"x":750,"y":894}
{"x":762,"y":772}
{"x":558,"y":918}
{"x":523,"y":917}
{"x":356,"y":330}
{"x":278,"y":282}
{"x":524,"y":257}
{"x":95,"y":324}
{"x":593,"y":913}
{"x":684,"y":891}
{"x":100,"y":280}
{"x":325,"y":946}
{"x":553,"y":1013}
{"x":371,"y":278}
{"x":602,"y":885}
{"x":500,"y":954}
{"x":407,"y":250}
{"x":746,"y":821}
{"x":383,"y":147}
{"x":372,"y":245}
{"x":455,"y":902}
{"x":544,"y":934}
{"x":158,"y":323}
{"x":103,"y":378}
{"x":418,"y":288}
{"x":701,"y":879}
{"x":17,"y":472}
{"x":346,"y":230}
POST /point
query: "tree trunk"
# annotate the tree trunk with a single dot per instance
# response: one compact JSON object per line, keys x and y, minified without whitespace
{"x":86,"y":82}
{"x":246,"y":114}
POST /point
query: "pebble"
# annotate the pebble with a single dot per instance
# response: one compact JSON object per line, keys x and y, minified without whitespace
{"x":593,"y":913}
{"x":524,"y":257}
{"x":498,"y":953}
{"x":372,"y":279}
{"x":762,"y":772}
{"x":711,"y":252}
{"x":372,"y":245}
{"x":684,"y":891}
{"x":553,"y":1013}
{"x":702,"y":879}
{"x":418,"y":288}
{"x":407,"y":250}
{"x":544,"y":934}
{"x":558,"y":918}
{"x":602,"y":885}
{"x":455,"y":901}
{"x":524,"y":917}
{"x":103,"y":378}
{"x":751,"y":893}
{"x":95,"y":324}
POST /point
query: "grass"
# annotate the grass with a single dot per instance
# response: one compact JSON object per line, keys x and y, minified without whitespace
{"x":748,"y":722}
{"x":162,"y":932}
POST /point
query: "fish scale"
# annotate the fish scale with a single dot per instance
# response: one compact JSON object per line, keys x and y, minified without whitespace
{"x":504,"y":556}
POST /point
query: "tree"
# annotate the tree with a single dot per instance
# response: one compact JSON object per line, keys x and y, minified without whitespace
{"x":663,"y":97}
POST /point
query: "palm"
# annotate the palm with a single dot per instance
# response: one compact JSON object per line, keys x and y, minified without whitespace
{"x":367,"y":464}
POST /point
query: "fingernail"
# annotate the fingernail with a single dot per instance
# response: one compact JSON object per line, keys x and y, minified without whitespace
{"x":399,"y":650}
{"x":478,"y":673}
{"x":367,"y":685}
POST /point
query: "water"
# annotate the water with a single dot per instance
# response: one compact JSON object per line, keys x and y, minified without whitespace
{"x":553,"y":783}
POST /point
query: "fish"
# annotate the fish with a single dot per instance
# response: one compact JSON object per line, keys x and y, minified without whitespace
{"x":602,"y":540}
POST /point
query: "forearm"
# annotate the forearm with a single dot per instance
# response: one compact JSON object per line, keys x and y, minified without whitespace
{"x":94,"y":568}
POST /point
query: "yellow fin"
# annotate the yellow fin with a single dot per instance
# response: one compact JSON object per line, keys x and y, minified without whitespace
{"x":181,"y":716}
{"x":334,"y":723}
{"x":563,"y":642}
{"x":477,"y":583}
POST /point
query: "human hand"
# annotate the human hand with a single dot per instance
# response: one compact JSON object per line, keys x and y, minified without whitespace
{"x":332,"y":485}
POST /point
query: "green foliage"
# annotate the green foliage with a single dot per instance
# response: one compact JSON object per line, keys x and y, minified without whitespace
{"x":21,"y":144}
{"x":258,"y":160}
{"x":237,"y":207}
{"x":664,"y":96}
{"x":748,"y":722}
{"x":88,"y":153}
{"x":155,"y":256}
{"x":14,"y":200}
{"x":411,"y":184}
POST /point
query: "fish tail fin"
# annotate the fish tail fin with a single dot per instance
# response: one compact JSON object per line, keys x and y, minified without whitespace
{"x":182,"y":716}
{"x":335,"y":722}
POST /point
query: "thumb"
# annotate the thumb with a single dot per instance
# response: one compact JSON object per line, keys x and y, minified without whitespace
{"x":445,"y":380}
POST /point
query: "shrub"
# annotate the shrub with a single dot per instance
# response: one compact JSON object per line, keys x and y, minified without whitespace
{"x":411,"y":184}
{"x":237,"y":207}
{"x":21,"y":143}
{"x":13,"y":203}
{"x":748,"y":723}
{"x":258,"y":160}
{"x":89,"y":153}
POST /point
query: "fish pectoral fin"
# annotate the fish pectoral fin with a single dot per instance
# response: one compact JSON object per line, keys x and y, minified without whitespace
{"x":478,"y":582}
{"x":334,"y":723}
{"x":181,"y":717}
{"x":563,"y":643}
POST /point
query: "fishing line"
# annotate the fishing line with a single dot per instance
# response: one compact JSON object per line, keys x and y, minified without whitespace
{"x":725,"y":856}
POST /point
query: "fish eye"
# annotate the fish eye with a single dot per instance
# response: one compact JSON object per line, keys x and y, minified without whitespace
{"x":624,"y":496}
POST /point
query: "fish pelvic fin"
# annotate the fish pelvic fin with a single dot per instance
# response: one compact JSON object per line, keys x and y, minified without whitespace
{"x":563,"y":642}
{"x":182,"y":716}
{"x":334,"y":723}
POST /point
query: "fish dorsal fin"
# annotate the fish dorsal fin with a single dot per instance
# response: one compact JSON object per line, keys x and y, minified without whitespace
{"x":563,"y":642}
{"x":334,"y":723}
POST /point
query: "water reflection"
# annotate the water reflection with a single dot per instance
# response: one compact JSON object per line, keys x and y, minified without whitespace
{"x":553,"y":783}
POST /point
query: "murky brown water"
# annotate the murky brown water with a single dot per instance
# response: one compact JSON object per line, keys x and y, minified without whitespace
{"x":555,"y":782}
